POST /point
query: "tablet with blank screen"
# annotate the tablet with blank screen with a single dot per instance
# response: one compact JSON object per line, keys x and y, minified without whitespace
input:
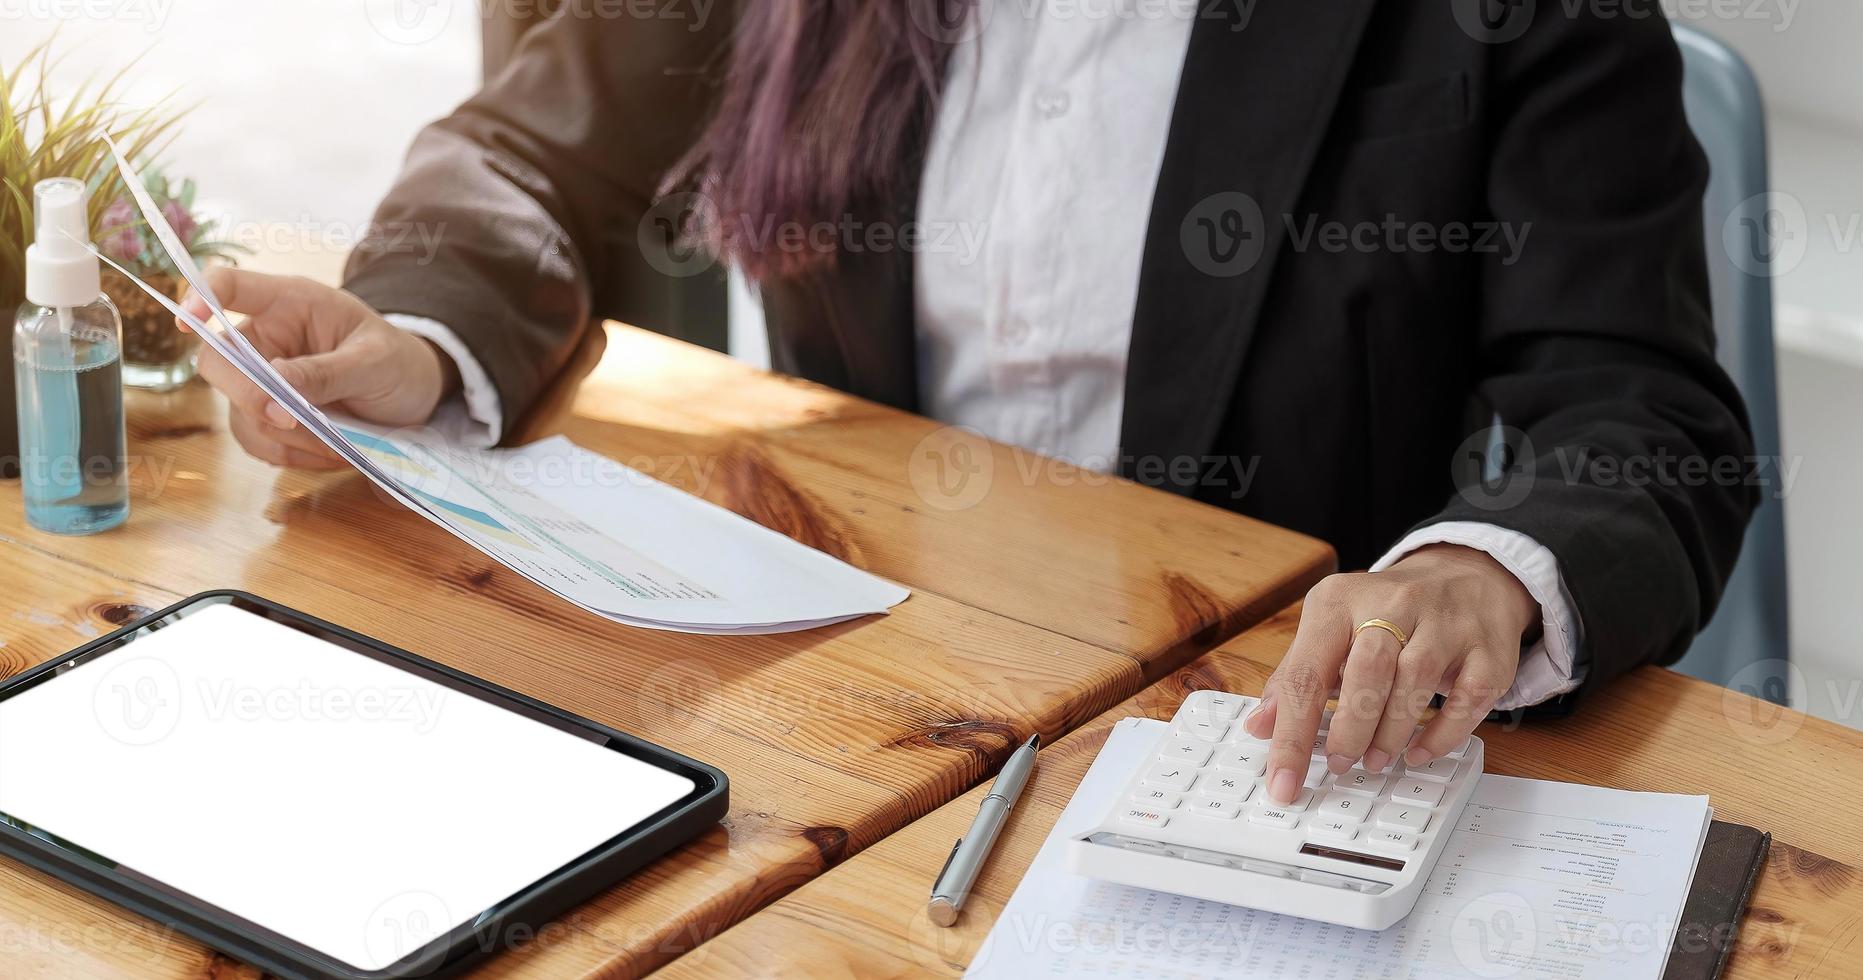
{"x":321,"y":804}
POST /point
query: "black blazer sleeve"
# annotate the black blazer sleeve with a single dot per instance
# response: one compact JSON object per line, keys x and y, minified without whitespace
{"x":1597,"y":346}
{"x":536,"y":186}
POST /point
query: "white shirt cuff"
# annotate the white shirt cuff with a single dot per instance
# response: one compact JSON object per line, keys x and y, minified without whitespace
{"x":475,"y":417}
{"x":1549,"y":668}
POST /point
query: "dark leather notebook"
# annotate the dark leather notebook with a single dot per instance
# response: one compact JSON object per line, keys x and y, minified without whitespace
{"x":1732,"y":858}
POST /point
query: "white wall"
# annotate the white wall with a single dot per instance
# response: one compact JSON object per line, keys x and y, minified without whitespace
{"x":1806,"y":55}
{"x":305,"y":106}
{"x":1805,"y":51}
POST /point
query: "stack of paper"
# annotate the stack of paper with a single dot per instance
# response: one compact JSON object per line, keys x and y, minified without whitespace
{"x":608,"y":538}
{"x":1540,"y":880}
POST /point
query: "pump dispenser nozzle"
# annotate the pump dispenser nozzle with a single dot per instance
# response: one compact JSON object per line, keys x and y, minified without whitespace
{"x":60,"y":269}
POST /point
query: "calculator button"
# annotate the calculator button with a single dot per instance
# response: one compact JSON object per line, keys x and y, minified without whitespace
{"x":1251,"y":759}
{"x":1204,"y":727}
{"x":1344,"y":806}
{"x":1188,"y":749}
{"x":1435,"y":770}
{"x":1403,"y":816}
{"x":1316,"y":773}
{"x":1302,"y":800}
{"x":1217,"y":704}
{"x":1392,"y":840}
{"x":1361,"y":782}
{"x":1273,"y":817}
{"x":1227,"y":786}
{"x":1174,"y":776}
{"x":1333,"y":829}
{"x":1157,"y":799}
{"x":1460,"y":750}
{"x":1418,"y":792}
{"x":1145,"y":816}
{"x":1215,"y":809}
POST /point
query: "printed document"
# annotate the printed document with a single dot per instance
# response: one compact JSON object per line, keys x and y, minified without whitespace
{"x":608,"y":538}
{"x":1540,"y":881}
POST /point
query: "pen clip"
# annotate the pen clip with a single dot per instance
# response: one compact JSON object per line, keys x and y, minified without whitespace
{"x":947,"y":864}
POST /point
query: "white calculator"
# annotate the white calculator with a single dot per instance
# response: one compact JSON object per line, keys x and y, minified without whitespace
{"x":1352,"y":849}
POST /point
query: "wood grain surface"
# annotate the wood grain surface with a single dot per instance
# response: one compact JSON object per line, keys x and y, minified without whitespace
{"x":1653,"y":730}
{"x":1042,"y":596}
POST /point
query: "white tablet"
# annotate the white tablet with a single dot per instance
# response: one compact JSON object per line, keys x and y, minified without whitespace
{"x":320,"y":804}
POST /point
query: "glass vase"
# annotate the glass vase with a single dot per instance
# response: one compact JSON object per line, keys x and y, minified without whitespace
{"x":157,"y":355}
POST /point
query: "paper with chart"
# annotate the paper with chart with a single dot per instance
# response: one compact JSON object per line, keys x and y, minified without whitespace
{"x":1540,"y":881}
{"x":608,"y":538}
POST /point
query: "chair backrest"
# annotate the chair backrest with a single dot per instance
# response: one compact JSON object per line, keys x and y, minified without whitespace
{"x":1748,"y":641}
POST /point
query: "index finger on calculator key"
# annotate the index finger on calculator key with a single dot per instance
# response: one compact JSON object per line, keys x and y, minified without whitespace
{"x":1301,"y":685}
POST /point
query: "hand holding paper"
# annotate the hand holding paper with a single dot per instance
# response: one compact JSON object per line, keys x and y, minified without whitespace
{"x":329,"y":346}
{"x":607,"y":538}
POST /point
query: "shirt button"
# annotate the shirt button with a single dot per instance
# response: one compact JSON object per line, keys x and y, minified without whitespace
{"x":1052,"y":103}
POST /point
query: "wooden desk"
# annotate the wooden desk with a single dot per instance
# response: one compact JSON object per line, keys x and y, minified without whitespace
{"x":1041,"y":598}
{"x":1655,"y":730}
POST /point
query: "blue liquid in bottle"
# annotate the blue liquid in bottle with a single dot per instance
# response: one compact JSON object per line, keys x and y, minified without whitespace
{"x":68,"y":372}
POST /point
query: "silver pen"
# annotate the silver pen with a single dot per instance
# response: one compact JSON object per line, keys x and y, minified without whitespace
{"x":967,"y":855}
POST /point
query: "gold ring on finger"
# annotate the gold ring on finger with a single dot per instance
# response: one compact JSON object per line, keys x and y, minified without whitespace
{"x":1383,"y":624}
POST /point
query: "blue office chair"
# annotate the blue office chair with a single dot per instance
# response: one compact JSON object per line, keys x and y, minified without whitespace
{"x":1723,"y":104}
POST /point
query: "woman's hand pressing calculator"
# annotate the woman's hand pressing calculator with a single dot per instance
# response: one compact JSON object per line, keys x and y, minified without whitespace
{"x":1352,"y":848}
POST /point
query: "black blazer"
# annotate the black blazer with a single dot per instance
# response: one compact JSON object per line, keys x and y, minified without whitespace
{"x":1359,"y":383}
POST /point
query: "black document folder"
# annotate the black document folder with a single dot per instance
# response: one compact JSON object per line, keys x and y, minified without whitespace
{"x":1732,"y":858}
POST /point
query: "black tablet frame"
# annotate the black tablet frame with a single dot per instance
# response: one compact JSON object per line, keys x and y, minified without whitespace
{"x":510,"y":923}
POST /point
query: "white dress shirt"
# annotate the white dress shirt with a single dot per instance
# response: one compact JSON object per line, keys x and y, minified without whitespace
{"x":1046,"y":148}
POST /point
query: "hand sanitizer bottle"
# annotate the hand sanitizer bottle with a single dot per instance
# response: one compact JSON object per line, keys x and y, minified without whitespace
{"x":67,"y":364}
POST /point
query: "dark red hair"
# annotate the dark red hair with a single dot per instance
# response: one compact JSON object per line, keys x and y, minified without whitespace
{"x":821,"y":103}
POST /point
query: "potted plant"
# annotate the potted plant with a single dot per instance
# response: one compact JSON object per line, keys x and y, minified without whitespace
{"x":43,"y":135}
{"x":155,"y":355}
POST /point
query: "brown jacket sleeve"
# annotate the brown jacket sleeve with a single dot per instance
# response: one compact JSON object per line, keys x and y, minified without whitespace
{"x":513,"y":217}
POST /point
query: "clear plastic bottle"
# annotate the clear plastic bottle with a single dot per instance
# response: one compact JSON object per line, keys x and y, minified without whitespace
{"x":68,"y":371}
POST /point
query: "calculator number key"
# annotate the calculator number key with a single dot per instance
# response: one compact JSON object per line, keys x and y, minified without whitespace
{"x":1418,"y":792}
{"x":1403,"y":816}
{"x":1361,"y":782}
{"x":1435,"y":770}
{"x":1345,"y":806}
